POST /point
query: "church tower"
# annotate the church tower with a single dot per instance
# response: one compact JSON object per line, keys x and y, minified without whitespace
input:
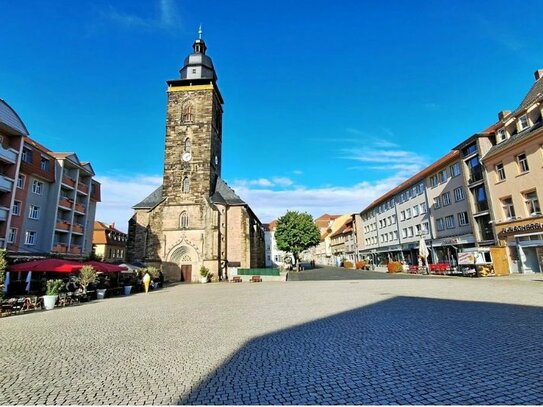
{"x":192,"y":161}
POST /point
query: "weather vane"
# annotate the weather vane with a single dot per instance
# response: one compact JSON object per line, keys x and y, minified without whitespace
{"x":200,"y":32}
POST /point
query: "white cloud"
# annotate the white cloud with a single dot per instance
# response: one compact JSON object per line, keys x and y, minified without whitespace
{"x":297,"y":172}
{"x":269,"y":204}
{"x":266,"y":182}
{"x":167,"y":18}
{"x":120,"y":193}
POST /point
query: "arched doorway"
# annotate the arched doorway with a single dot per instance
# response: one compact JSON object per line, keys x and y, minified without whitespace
{"x":181,"y":262}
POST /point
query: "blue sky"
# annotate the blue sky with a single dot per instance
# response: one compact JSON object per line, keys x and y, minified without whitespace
{"x":327,"y":104}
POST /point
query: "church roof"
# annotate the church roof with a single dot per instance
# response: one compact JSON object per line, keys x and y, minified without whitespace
{"x":225,"y":195}
{"x":151,"y":200}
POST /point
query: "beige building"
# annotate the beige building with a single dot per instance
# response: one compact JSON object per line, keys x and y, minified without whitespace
{"x":108,"y":243}
{"x":515,"y":181}
{"x":195,"y":219}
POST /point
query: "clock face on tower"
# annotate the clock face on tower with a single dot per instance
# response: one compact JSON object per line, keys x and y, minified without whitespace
{"x":186,"y":157}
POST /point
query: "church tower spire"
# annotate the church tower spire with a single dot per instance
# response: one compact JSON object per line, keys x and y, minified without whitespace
{"x":198,"y":65}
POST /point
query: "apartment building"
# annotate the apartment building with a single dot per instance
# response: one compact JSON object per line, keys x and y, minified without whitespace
{"x":55,"y":203}
{"x":515,"y":181}
{"x":12,"y":131}
{"x":450,"y":221}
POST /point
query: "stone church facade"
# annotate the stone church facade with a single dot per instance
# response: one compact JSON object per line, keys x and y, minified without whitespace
{"x":194,"y":218}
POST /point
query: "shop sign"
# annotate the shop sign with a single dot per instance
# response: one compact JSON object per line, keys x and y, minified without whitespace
{"x":528,"y":227}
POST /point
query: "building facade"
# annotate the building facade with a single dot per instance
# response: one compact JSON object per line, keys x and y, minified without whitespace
{"x":515,"y":181}
{"x":195,"y":219}
{"x":108,"y":243}
{"x":52,"y":196}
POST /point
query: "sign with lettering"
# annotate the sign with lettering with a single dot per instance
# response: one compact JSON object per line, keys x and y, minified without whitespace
{"x":528,"y":227}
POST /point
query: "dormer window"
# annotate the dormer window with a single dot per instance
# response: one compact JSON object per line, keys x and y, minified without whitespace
{"x":523,"y":122}
{"x":501,"y":135}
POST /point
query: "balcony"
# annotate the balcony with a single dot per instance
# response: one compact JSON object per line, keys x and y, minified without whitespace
{"x":4,"y":212}
{"x":77,"y":228}
{"x":62,"y":225}
{"x":79,"y":208}
{"x":6,"y":185}
{"x":60,"y":248}
{"x":68,"y":181}
{"x":75,"y":250}
{"x":83,"y":188}
{"x":65,"y":203}
{"x":8,"y":155}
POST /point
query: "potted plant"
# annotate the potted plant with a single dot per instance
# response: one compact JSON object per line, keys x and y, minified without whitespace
{"x":204,"y":274}
{"x":51,"y":294}
{"x":87,"y":275}
{"x":127,"y":286}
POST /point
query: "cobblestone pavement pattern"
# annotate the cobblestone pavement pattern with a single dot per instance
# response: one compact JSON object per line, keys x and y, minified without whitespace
{"x":428,"y":340}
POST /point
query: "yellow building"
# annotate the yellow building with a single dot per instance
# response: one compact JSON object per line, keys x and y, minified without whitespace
{"x":515,"y":181}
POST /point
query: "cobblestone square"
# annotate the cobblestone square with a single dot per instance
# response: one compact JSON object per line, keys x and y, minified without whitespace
{"x":424,"y":340}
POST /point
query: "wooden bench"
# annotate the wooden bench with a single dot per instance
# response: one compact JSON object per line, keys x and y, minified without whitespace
{"x":236,"y":279}
{"x":256,"y":279}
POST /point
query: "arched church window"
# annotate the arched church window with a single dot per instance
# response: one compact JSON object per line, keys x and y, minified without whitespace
{"x":187,"y":145}
{"x":187,"y":112}
{"x":184,"y":220}
{"x":186,"y":185}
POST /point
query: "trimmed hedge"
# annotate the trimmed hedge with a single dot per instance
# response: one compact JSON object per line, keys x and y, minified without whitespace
{"x":394,"y":267}
{"x":258,"y":272}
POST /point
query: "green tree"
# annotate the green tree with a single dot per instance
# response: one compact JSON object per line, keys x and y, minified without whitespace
{"x":296,"y":232}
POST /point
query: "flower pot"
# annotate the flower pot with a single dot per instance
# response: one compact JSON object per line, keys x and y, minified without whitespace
{"x":203,"y":280}
{"x":49,"y":301}
{"x":127,"y":289}
{"x":100,"y":293}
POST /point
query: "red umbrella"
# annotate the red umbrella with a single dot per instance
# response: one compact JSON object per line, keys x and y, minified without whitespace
{"x":44,"y":265}
{"x":105,"y":267}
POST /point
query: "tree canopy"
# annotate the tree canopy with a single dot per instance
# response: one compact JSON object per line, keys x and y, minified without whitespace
{"x":296,"y":232}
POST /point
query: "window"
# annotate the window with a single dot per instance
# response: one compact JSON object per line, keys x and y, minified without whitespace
{"x":408,"y":213}
{"x":393,"y":219}
{"x":34,"y":212}
{"x":442,"y":176}
{"x":449,"y":221}
{"x":437,"y":202}
{"x":410,"y":231}
{"x":30,"y":237}
{"x":421,"y":188}
{"x":459,"y":194}
{"x":408,"y":194}
{"x":26,"y":155}
{"x":186,"y":185}
{"x":532,"y":203}
{"x":184,"y":220}
{"x":434,"y":181}
{"x":522,"y":163}
{"x":463,"y":219}
{"x":500,"y":172}
{"x":523,"y":122}
{"x":446,"y":198}
{"x":187,"y":113}
{"x":508,"y":208}
{"x":37,"y":187}
{"x":402,"y":215}
{"x":501,"y":135}
{"x":187,"y":145}
{"x":12,"y":235}
{"x":395,"y":235}
{"x":16,"y":208}
{"x":415,"y":210}
{"x":44,"y":164}
{"x":21,"y":181}
{"x":404,"y":233}
{"x":423,"y":207}
{"x":455,"y":170}
{"x":440,"y":224}
{"x":425,"y":227}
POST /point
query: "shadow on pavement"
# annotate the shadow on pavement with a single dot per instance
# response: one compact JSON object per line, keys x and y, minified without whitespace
{"x":404,"y":350}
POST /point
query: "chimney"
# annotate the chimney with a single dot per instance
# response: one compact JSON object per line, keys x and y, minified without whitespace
{"x":538,"y":74}
{"x":504,"y":113}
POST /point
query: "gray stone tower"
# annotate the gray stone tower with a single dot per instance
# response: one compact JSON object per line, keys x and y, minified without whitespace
{"x":192,"y":161}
